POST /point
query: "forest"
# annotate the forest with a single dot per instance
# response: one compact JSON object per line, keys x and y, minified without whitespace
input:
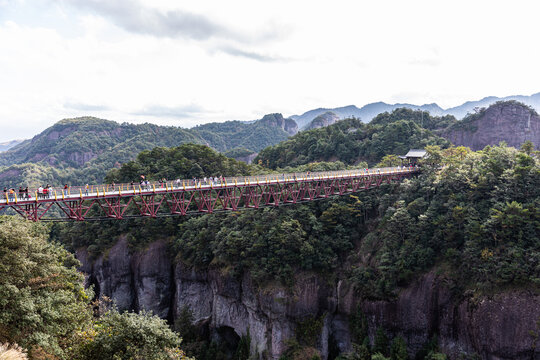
{"x":472,"y":216}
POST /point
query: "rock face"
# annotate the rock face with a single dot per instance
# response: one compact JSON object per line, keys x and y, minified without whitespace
{"x":512,"y":122}
{"x":497,"y":328}
{"x":288,"y":125}
{"x":326,"y":119}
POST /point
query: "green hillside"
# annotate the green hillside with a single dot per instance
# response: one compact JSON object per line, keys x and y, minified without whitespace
{"x":350,"y":141}
{"x":84,"y":149}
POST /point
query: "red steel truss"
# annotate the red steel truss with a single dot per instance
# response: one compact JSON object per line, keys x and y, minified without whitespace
{"x":182,"y":200}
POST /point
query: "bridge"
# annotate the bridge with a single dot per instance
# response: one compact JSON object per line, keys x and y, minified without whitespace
{"x":184,"y":197}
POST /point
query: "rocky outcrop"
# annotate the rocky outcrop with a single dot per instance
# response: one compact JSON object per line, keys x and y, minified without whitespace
{"x":135,"y":281}
{"x":288,"y":125}
{"x":511,"y":122}
{"x":498,"y":327}
{"x":323,"y":120}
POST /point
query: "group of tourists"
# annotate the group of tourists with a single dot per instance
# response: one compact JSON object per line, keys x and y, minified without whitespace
{"x":42,"y":192}
{"x":9,"y":194}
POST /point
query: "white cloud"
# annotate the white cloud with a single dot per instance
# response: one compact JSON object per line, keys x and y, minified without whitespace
{"x":70,"y":58}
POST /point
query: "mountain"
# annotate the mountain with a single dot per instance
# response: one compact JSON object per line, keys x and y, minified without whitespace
{"x":369,"y":111}
{"x":9,"y":144}
{"x":328,"y":118}
{"x":352,"y":142}
{"x":256,"y":135}
{"x":86,"y":148}
{"x":365,"y":113}
{"x":509,"y":121}
{"x":462,"y":110}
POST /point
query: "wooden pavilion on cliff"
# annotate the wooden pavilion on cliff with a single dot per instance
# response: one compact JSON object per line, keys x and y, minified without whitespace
{"x":412,"y":157}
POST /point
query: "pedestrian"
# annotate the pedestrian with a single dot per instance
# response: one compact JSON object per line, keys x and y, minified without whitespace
{"x":86,"y":187}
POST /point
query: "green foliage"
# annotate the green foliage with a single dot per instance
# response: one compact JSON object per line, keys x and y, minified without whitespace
{"x":480,"y":215}
{"x":236,"y":134}
{"x":349,"y":141}
{"x":237,"y":153}
{"x":379,"y":356}
{"x":421,"y":118}
{"x":270,"y":244}
{"x":309,"y":329}
{"x":242,"y":351}
{"x":381,"y":343}
{"x":83,"y":150}
{"x":390,"y":160}
{"x":183,"y":162}
{"x":398,"y":349}
{"x":42,"y":300}
{"x":527,"y":147}
{"x":359,"y":327}
{"x":359,"y":352}
{"x":295,"y":351}
{"x":130,"y":336}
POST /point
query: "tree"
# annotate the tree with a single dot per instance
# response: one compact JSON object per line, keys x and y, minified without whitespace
{"x":390,"y":160}
{"x":398,"y":349}
{"x":129,"y":336}
{"x":42,"y":299}
{"x":381,"y":342}
{"x":433,"y":155}
{"x":527,"y":147}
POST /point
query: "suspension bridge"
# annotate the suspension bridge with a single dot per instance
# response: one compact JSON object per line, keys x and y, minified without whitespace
{"x":184,"y":197}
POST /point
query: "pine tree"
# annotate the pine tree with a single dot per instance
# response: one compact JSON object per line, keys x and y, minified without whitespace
{"x":398,"y":349}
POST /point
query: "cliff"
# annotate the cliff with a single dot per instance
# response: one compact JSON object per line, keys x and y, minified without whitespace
{"x":323,"y":120}
{"x":277,"y":120}
{"x":498,"y":327}
{"x":510,"y":121}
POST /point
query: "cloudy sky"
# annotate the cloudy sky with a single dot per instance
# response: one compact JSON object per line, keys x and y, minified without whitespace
{"x":189,"y":62}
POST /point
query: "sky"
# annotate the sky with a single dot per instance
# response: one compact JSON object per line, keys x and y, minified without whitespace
{"x":184,"y":63}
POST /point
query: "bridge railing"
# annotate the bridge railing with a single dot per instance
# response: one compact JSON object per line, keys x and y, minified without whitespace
{"x":58,"y":192}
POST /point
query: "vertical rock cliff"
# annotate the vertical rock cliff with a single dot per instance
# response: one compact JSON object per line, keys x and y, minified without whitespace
{"x":498,"y":327}
{"x":511,"y":122}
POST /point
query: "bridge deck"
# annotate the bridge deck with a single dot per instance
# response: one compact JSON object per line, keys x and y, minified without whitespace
{"x":182,"y":197}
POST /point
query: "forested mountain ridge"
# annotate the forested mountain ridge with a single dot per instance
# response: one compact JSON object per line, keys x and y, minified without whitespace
{"x":351,"y":141}
{"x":82,"y":150}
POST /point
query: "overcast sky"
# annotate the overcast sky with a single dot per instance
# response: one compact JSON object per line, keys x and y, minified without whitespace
{"x":189,"y":62}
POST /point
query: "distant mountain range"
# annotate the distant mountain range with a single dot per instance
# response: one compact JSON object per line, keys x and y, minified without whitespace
{"x":369,"y":111}
{"x":9,"y":144}
{"x":230,"y":135}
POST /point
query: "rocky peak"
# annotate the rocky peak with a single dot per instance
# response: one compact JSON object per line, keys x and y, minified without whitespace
{"x":509,"y":121}
{"x":288,"y":125}
{"x":328,"y":118}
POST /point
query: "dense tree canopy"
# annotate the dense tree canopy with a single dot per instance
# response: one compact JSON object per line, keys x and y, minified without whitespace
{"x":349,"y":141}
{"x":183,"y":162}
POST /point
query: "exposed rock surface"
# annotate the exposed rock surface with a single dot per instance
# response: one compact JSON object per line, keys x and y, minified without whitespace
{"x":326,"y":119}
{"x":512,"y":122}
{"x":288,"y":125}
{"x":494,"y":328}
